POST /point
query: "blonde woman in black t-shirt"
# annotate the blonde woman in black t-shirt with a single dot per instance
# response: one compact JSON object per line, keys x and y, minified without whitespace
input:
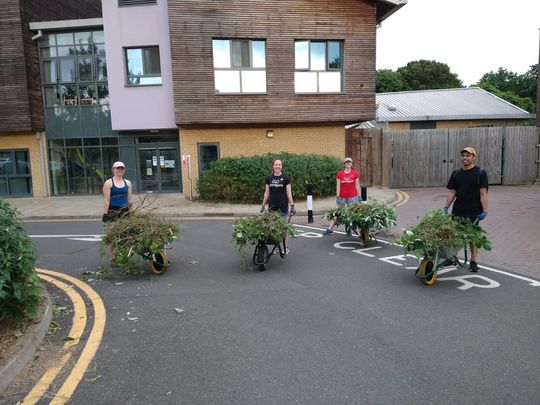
{"x":278,"y":193}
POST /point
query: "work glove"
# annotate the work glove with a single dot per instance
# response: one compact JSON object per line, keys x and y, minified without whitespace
{"x":293,"y":210}
{"x":262,"y":209}
{"x":106,"y":218}
{"x":445,"y":210}
{"x":482,"y":215}
{"x":359,"y":199}
{"x":338,"y":201}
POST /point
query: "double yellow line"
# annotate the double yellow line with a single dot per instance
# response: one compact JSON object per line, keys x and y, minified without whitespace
{"x":77,"y":329}
{"x":402,"y":198}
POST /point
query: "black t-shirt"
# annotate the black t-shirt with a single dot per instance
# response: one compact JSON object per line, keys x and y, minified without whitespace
{"x":467,"y":184}
{"x":278,"y":200}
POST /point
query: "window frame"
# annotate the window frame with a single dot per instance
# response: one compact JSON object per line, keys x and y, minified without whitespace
{"x":240,"y":69}
{"x":201,"y":145}
{"x":93,"y":43}
{"x":327,"y":68}
{"x":15,"y":174}
{"x":126,"y":65}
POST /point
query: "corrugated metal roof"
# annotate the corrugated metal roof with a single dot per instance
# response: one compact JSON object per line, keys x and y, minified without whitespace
{"x":446,"y":104}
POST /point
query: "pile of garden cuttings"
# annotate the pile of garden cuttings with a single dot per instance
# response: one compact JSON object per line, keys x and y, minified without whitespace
{"x":136,"y":234}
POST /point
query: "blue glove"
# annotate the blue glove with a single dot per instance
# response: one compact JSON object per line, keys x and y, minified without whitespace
{"x":359,"y":199}
{"x":482,"y":215}
{"x":445,"y":210}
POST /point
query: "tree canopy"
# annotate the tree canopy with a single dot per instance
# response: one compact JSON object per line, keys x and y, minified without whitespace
{"x":518,"y":89}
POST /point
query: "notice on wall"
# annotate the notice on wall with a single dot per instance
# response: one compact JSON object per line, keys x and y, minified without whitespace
{"x":170,"y":164}
{"x":162,"y":161}
{"x":154,"y":161}
{"x":149,"y":171}
{"x":186,"y":160}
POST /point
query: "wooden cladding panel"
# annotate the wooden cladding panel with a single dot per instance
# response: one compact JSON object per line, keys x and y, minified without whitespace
{"x":194,"y":23}
{"x":20,"y":91}
{"x":15,"y":108}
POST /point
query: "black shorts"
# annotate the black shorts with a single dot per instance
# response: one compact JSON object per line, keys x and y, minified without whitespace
{"x":114,"y":213}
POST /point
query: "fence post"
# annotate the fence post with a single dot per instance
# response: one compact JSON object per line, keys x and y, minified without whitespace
{"x":309,"y":192}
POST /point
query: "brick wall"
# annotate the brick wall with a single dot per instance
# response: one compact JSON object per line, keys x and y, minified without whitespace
{"x":30,"y":143}
{"x":322,"y":140}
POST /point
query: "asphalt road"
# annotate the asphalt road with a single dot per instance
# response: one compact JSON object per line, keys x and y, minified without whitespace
{"x":331,"y":324}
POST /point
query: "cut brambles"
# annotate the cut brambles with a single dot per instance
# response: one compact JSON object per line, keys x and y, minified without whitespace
{"x":267,"y":226}
{"x":139,"y":234}
{"x":363,"y":218}
{"x":437,"y":233}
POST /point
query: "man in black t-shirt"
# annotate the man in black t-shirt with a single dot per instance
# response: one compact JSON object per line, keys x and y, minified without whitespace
{"x":467,"y":189}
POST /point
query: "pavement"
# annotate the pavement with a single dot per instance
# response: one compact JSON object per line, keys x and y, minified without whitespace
{"x":513,"y":226}
{"x":168,"y":205}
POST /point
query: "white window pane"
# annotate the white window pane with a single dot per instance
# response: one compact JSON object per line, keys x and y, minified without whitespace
{"x":305,"y":82}
{"x":150,"y":80}
{"x":222,"y":53}
{"x":301,"y":55}
{"x":318,"y":56}
{"x":253,"y":81}
{"x":227,"y":81}
{"x":330,"y":82}
{"x":258,"y":54}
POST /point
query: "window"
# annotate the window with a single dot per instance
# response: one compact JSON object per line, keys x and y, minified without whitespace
{"x":81,"y":165}
{"x":318,"y":66}
{"x":208,"y":152}
{"x":423,"y":124}
{"x":239,"y":65}
{"x":127,"y":3}
{"x":143,"y":66}
{"x":72,"y":65}
{"x":15,"y":173}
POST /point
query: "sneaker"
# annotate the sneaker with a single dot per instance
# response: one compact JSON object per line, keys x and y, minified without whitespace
{"x":328,"y":232}
{"x":473,"y":266}
{"x":288,"y":251}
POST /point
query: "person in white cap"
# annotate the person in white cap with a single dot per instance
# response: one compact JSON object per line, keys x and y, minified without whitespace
{"x":467,"y":190}
{"x":117,"y":193}
{"x":347,"y":189}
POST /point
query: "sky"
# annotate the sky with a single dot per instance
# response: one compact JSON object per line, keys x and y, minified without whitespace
{"x":472,"y":37}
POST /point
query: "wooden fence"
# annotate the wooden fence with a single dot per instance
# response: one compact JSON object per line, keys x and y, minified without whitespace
{"x":423,"y":158}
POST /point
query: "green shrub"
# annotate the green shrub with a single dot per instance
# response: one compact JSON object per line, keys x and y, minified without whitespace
{"x":242,"y":179}
{"x":20,"y":287}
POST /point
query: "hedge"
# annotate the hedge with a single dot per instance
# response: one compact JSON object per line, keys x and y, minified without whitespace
{"x":20,"y":287}
{"x":242,"y":179}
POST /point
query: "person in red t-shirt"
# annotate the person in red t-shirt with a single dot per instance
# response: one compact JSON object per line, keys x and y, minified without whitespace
{"x":347,"y":188}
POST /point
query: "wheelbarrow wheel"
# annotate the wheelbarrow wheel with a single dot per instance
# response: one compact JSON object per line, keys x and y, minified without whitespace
{"x":426,"y":267}
{"x":260,"y":256}
{"x":159,"y":262}
{"x":364,"y":236}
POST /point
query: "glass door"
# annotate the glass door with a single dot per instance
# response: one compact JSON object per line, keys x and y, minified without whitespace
{"x":158,"y":169}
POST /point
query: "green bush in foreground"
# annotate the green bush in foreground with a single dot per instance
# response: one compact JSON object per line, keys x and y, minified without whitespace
{"x":20,"y":287}
{"x":242,"y":179}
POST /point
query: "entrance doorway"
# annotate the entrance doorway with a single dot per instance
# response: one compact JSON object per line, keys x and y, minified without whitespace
{"x":158,"y":169}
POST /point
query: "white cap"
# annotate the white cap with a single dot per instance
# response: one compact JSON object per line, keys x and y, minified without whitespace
{"x":118,"y":164}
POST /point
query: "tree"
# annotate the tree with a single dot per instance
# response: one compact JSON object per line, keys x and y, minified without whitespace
{"x":517,"y":89}
{"x":388,"y":81}
{"x":428,"y":74}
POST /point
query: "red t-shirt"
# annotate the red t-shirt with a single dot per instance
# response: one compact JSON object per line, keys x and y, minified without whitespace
{"x":347,"y":183}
